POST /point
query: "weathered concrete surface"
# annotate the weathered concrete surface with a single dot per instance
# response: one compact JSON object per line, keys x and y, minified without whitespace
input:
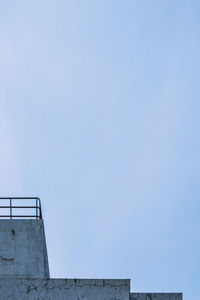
{"x":156,"y":296}
{"x":24,"y":271}
{"x":64,"y":289}
{"x":23,"y":252}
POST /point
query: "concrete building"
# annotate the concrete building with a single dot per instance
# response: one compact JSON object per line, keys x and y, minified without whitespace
{"x":24,"y":270}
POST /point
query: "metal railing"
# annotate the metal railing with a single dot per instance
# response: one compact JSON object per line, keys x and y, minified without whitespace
{"x":10,"y":207}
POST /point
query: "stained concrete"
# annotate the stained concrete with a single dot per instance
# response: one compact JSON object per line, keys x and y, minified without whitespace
{"x":23,"y":252}
{"x":156,"y":296}
{"x":64,"y":289}
{"x":24,"y":271}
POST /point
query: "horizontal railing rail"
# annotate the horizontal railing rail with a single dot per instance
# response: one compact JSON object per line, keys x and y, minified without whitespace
{"x":10,"y":203}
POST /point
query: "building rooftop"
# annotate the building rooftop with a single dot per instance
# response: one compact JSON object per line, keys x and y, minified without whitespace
{"x":24,"y":268}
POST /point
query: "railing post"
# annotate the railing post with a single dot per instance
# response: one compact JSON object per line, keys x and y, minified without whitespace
{"x":10,"y":208}
{"x":36,"y":216}
{"x":40,"y":209}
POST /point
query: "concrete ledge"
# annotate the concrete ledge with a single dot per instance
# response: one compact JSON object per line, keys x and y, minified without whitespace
{"x":156,"y":296}
{"x":64,"y":289}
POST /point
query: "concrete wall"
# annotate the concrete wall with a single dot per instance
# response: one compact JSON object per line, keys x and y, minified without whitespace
{"x":156,"y":296}
{"x":24,"y":271}
{"x":23,"y":251}
{"x":64,"y":289}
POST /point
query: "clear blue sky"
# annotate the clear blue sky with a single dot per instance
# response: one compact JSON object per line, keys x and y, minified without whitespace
{"x":100,"y":118}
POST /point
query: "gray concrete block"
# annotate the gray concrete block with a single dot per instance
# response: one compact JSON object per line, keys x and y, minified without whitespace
{"x":64,"y":289}
{"x":23,"y":250}
{"x":156,"y":296}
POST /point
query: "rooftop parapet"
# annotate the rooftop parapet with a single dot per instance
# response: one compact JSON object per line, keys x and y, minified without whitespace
{"x":23,"y":252}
